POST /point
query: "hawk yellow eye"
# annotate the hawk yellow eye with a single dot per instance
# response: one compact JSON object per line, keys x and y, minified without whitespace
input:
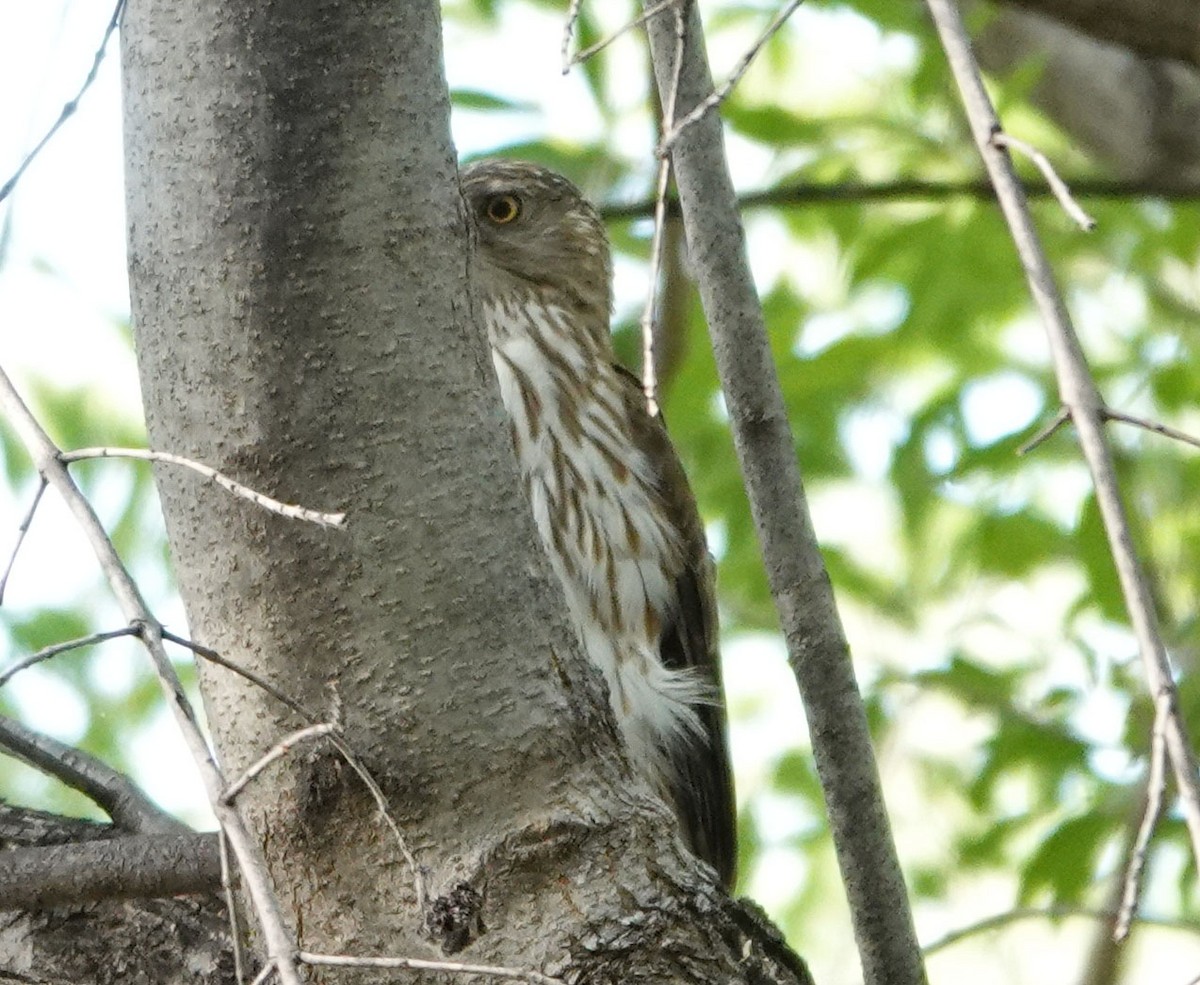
{"x":503,"y":209}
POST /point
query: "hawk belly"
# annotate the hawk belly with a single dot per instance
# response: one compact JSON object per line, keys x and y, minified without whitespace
{"x":597,"y":505}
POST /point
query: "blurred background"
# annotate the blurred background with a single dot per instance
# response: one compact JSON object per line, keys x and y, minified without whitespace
{"x":988,"y":633}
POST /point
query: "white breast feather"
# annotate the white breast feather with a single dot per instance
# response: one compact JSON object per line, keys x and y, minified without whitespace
{"x":654,"y":706}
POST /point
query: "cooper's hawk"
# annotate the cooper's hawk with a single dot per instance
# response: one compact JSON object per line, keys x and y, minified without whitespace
{"x":610,"y":498}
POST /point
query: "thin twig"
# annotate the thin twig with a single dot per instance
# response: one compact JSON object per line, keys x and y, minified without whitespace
{"x":1156,"y":788}
{"x":212,"y":656}
{"x":111,"y":790}
{"x":999,"y":920}
{"x":351,"y":758}
{"x":568,"y":30}
{"x":1057,"y":186}
{"x":420,"y":964}
{"x":222,"y":480}
{"x":276,"y":936}
{"x":718,"y":95}
{"x":649,"y":370}
{"x":53,"y":651}
{"x":651,"y":11}
{"x":1045,"y":432}
{"x":1164,"y":429}
{"x":235,"y":931}
{"x":1081,"y":397}
{"x":22,"y":530}
{"x":277,"y":751}
{"x":69,"y":108}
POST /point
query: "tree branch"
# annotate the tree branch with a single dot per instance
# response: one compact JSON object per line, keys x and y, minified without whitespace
{"x":909,"y":189}
{"x":230,"y":485}
{"x":22,"y":530}
{"x":69,"y":108}
{"x":138,"y":866}
{"x":1080,"y":396}
{"x":1000,"y":920}
{"x":111,"y":790}
{"x":800,"y":585}
{"x":56,"y":648}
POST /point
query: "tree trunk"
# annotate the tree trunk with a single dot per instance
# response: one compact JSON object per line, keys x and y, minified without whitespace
{"x":304,"y":322}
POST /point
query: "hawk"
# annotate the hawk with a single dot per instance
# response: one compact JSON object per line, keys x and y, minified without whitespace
{"x":609,"y":496}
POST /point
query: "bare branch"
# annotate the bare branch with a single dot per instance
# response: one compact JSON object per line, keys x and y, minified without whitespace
{"x":651,"y":11}
{"x":717,"y":96}
{"x":568,"y":30}
{"x":69,"y":108}
{"x":115,"y":793}
{"x":911,"y":189}
{"x":1108,"y":414}
{"x":1164,"y":429}
{"x":1057,"y":186}
{"x":277,"y":938}
{"x":649,"y":371}
{"x":1000,"y":920}
{"x":277,"y":751}
{"x":53,"y":651}
{"x":1045,"y":432}
{"x":212,"y":656}
{"x":1081,"y":398}
{"x":22,"y":530}
{"x":817,"y":647}
{"x":1156,"y":786}
{"x":419,"y":964}
{"x":138,"y":866}
{"x":245,"y":492}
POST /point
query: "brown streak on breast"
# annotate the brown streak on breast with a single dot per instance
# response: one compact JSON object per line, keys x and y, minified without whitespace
{"x":620,"y":470}
{"x":565,"y":373}
{"x":632,"y":534}
{"x":529,"y":395}
{"x":613,"y":595}
{"x":650,"y":621}
{"x":575,"y":506}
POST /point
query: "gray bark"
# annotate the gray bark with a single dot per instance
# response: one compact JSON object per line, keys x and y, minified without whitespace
{"x":181,"y":941}
{"x":304,"y":322}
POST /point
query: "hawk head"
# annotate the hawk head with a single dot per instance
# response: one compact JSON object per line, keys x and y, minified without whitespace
{"x":537,"y":235}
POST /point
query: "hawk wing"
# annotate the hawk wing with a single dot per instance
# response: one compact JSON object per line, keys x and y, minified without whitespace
{"x":702,"y":785}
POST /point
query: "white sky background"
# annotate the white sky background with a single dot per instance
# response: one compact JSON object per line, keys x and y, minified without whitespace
{"x":63,"y":287}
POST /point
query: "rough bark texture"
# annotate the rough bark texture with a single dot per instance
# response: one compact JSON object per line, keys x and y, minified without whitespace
{"x":144,"y":942}
{"x":1134,"y":110}
{"x":304,"y":322}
